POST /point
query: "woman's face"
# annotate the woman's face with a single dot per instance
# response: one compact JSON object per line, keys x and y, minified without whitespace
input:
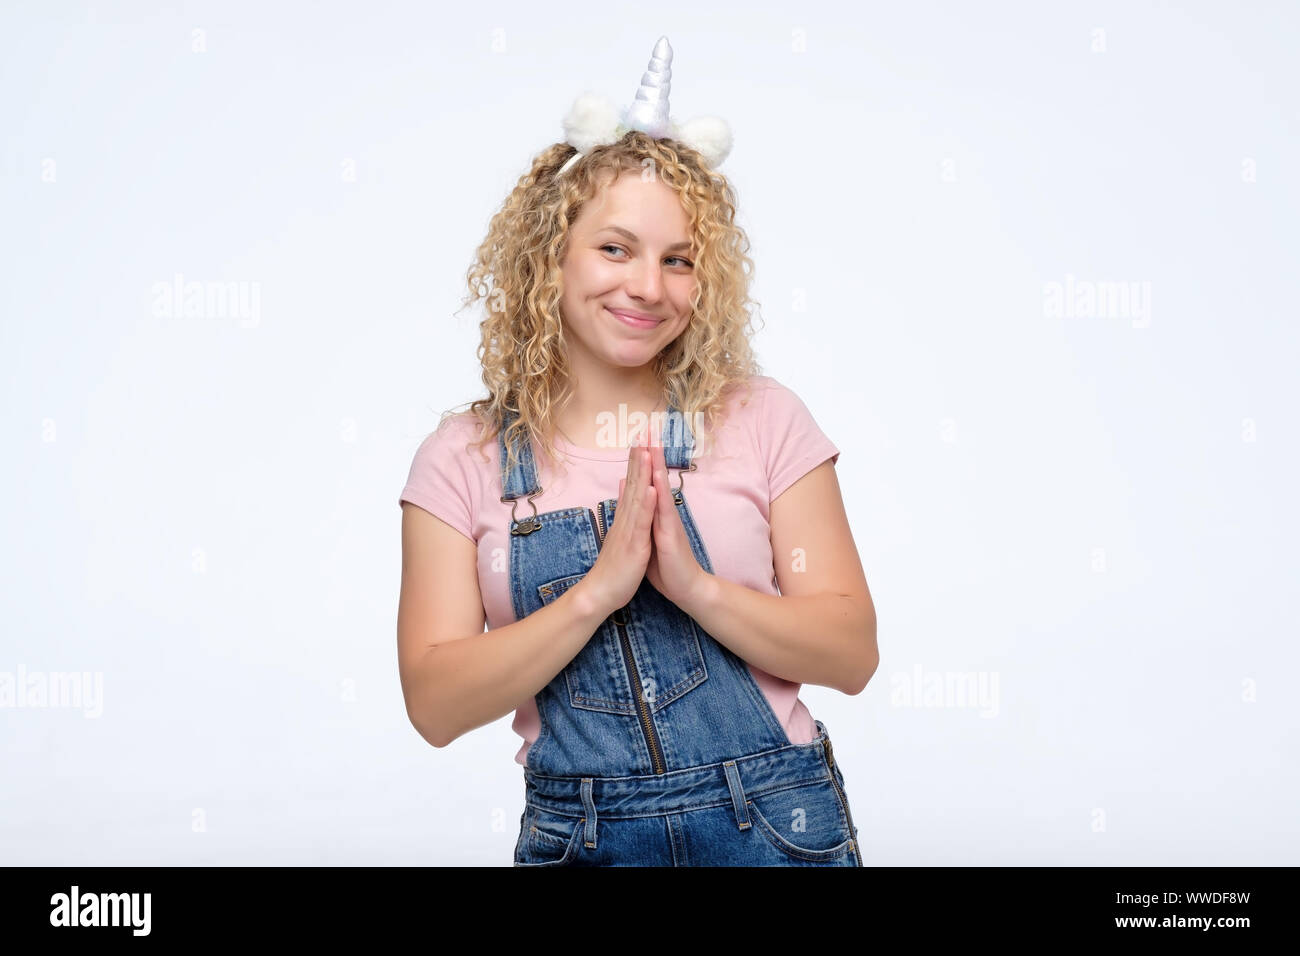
{"x":629,"y":252}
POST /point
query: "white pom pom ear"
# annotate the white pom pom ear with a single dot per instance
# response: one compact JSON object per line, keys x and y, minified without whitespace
{"x":710,"y":136}
{"x":591,"y":122}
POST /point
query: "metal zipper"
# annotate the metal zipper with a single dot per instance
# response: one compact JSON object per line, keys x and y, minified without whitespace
{"x":830,"y":764}
{"x":643,"y":710}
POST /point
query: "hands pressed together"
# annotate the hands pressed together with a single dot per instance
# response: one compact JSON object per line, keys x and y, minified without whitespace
{"x":646,"y":539}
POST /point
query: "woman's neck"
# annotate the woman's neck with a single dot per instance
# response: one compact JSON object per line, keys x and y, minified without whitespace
{"x":585,"y":418}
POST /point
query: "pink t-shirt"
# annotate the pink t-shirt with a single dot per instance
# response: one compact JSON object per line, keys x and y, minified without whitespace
{"x":760,"y":449}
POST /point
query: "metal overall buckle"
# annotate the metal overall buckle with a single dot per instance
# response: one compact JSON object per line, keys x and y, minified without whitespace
{"x":681,"y":480}
{"x":530,"y":523}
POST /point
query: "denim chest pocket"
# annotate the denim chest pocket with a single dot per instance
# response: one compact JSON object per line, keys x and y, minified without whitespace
{"x":650,"y":644}
{"x":806,"y":823}
{"x":547,"y":839}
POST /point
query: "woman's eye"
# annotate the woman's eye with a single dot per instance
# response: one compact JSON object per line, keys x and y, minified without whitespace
{"x":684,"y":262}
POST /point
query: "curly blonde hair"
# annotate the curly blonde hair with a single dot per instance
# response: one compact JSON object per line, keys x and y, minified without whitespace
{"x":516,"y":273}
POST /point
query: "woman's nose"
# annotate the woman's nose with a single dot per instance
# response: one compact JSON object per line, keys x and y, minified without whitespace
{"x":646,"y":283}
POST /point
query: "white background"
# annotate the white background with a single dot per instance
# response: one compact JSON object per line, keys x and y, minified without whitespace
{"x":1096,"y":512}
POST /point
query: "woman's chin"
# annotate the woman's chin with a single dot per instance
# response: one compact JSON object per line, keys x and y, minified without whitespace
{"x":629,"y":354}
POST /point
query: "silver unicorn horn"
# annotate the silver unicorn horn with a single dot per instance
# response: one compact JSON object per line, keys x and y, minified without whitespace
{"x":649,"y":111}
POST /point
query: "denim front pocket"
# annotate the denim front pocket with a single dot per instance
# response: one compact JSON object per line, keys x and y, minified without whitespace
{"x":649,"y":644}
{"x":547,"y":839}
{"x":804,"y":822}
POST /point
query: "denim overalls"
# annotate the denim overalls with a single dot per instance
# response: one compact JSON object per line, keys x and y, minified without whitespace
{"x":657,"y":747}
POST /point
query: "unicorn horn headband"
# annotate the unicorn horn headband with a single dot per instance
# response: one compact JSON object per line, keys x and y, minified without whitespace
{"x":595,"y":121}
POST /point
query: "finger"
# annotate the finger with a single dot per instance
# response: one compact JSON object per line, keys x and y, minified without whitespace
{"x":651,"y":492}
{"x":642,"y":472}
{"x":655,"y":452}
{"x":641,"y":516}
{"x":654,"y":510}
{"x":650,"y":503}
{"x":632,"y":463}
{"x":643,"y":468}
{"x":631,"y":504}
{"x":667,"y":511}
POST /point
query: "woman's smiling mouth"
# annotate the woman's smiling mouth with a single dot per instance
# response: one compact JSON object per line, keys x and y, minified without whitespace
{"x":637,"y":320}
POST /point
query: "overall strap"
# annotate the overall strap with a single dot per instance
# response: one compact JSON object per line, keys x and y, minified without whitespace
{"x":522,"y":478}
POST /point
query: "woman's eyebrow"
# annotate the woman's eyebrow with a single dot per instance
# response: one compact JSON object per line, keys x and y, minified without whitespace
{"x":631,"y":236}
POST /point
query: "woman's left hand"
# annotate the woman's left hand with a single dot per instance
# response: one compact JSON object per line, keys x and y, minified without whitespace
{"x":673,"y":569}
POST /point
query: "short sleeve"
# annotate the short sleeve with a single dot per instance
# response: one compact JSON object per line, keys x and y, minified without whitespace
{"x":441,"y":478}
{"x":789,"y":438}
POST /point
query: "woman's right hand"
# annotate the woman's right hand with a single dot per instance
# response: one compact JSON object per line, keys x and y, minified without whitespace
{"x":625,"y":553}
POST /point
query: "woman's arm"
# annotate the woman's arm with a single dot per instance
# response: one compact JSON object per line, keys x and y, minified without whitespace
{"x":454,"y":676}
{"x":821,"y":629}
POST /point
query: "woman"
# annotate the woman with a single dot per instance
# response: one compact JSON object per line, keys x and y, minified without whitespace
{"x":640,"y":638}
